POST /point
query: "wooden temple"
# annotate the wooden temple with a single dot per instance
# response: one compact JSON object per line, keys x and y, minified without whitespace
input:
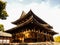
{"x":31,"y":28}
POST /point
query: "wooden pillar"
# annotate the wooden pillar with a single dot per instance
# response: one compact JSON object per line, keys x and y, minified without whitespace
{"x":46,"y":38}
{"x":39,"y":37}
{"x":42,"y":36}
{"x":51,"y":38}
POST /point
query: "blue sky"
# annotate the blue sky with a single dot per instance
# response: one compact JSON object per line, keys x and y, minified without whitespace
{"x":51,"y":2}
{"x":48,"y":10}
{"x":55,"y":2}
{"x":25,"y":1}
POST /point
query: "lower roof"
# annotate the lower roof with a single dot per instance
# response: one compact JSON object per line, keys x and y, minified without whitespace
{"x":4,"y":34}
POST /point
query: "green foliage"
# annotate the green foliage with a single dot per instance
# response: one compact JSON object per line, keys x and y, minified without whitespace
{"x":3,"y":13}
{"x":1,"y":27}
{"x":57,"y":39}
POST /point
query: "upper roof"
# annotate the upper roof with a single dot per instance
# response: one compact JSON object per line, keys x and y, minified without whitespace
{"x":24,"y":15}
{"x":31,"y":17}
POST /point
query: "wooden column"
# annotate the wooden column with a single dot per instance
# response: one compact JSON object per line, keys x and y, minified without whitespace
{"x":51,"y":38}
{"x":42,"y":36}
{"x":46,"y":37}
{"x":39,"y":37}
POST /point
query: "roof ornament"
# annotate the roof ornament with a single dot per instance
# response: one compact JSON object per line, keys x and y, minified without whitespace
{"x":23,"y":14}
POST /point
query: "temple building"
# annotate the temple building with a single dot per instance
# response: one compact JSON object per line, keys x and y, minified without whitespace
{"x":31,"y":28}
{"x":5,"y":37}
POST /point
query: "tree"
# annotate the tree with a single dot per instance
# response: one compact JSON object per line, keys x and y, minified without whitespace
{"x":57,"y":39}
{"x":1,"y":27}
{"x":3,"y":13}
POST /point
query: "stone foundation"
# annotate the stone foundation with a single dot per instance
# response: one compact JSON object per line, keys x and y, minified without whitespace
{"x":38,"y":43}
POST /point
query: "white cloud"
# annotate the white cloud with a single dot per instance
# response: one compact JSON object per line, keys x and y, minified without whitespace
{"x":21,"y":0}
